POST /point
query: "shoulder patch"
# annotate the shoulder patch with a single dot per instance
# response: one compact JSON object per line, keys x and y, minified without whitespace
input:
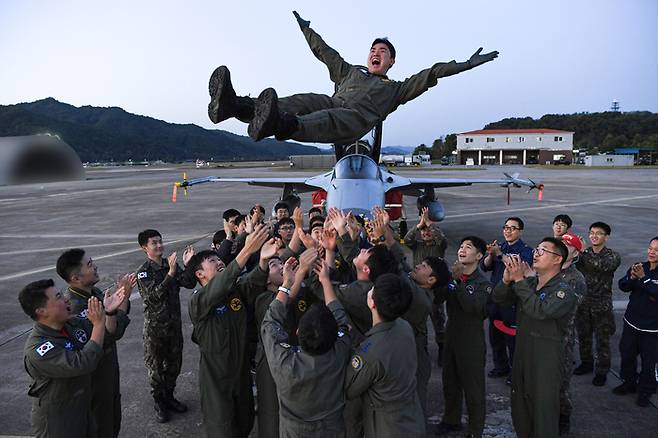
{"x":489,"y":289}
{"x":142,"y":274}
{"x":560,"y":294}
{"x":357,"y":362}
{"x":68,"y":345}
{"x":83,"y":314}
{"x":80,"y":335}
{"x":44,"y":348}
{"x":470,"y":289}
{"x":236,"y":304}
{"x":284,"y":345}
{"x":452,"y":286}
{"x":301,"y":305}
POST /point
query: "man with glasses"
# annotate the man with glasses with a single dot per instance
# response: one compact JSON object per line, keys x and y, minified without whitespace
{"x":502,"y":345}
{"x":598,"y":264}
{"x":545,"y":304}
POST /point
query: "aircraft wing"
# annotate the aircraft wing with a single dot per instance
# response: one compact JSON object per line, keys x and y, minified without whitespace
{"x":301,"y":184}
{"x":413,"y":186}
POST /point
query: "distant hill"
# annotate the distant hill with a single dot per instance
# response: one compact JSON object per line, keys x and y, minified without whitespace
{"x":104,"y":134}
{"x":603,"y":131}
{"x":397,"y":150}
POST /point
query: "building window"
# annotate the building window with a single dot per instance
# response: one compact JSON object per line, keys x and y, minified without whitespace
{"x":557,"y":139}
{"x":539,"y":139}
{"x":521,"y":139}
{"x":469,"y":140}
{"x":490,"y":139}
{"x":507,"y":139}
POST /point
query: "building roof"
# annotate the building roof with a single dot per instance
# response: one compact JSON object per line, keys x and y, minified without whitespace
{"x":516,"y":131}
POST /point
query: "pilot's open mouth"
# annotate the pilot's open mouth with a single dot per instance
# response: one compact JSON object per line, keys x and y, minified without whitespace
{"x":376,"y":62}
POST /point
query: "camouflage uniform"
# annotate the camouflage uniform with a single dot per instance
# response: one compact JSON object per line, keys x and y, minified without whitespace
{"x":575,"y":279}
{"x":163,"y":334}
{"x":421,"y":250}
{"x":594,"y":314}
{"x":106,"y":395}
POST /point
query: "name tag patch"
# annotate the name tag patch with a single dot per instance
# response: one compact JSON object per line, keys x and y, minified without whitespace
{"x":44,"y":348}
{"x":141,"y":275}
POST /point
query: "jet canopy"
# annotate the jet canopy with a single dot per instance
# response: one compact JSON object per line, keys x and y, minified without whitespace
{"x":356,"y":167}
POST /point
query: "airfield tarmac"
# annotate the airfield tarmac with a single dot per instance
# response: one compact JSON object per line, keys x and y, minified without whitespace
{"x":104,"y":213}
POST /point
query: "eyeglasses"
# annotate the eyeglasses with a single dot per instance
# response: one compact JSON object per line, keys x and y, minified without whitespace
{"x":507,"y":228}
{"x":561,"y":225}
{"x":540,"y":252}
{"x":596,"y":233}
{"x":287,"y":228}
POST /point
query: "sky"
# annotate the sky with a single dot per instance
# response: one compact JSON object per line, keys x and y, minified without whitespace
{"x":154,"y":58}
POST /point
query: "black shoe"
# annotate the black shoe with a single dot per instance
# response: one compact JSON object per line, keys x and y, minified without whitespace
{"x":564,"y":426}
{"x":642,"y":400}
{"x":495,"y":373}
{"x":175,"y":405}
{"x":446,"y":428}
{"x":583,"y":368}
{"x":286,"y":126}
{"x":161,"y":412}
{"x":625,"y":388}
{"x":222,"y":96}
{"x":599,"y":379}
{"x":266,"y":116}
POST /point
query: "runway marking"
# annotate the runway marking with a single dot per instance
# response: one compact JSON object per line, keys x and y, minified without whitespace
{"x":114,"y":254}
{"x":29,"y":251}
{"x":552,"y":206}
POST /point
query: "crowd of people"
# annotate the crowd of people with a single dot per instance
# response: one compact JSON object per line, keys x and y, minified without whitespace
{"x":327,"y":318}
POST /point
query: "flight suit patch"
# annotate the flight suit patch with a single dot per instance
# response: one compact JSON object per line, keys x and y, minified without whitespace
{"x":301,"y":305}
{"x":560,"y":294}
{"x":489,"y":289}
{"x":44,"y":348}
{"x":83,"y":314}
{"x":68,"y":345}
{"x":341,"y":333}
{"x":141,"y":275}
{"x":220,"y":310}
{"x":236,"y":304}
{"x":542,"y":296}
{"x":470,"y":289}
{"x":80,"y":335}
{"x":365,"y":347}
{"x":284,"y":345}
{"x":357,"y":362}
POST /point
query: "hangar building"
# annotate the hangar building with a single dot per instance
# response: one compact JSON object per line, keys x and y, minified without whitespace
{"x":514,"y":146}
{"x":37,"y":158}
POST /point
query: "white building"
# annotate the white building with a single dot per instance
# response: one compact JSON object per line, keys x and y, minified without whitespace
{"x":609,"y":160}
{"x":515,"y":146}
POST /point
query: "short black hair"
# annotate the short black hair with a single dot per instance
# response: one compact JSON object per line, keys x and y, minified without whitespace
{"x":194,"y":264}
{"x":317,"y":221}
{"x":241,"y":218}
{"x":655,"y":238}
{"x":559,"y":246}
{"x":69,"y":263}
{"x":280,"y":205}
{"x":381,"y":261}
{"x":440,"y":270}
{"x":218,"y":237}
{"x":478,"y":243}
{"x":602,"y":225}
{"x":286,"y":220}
{"x":315,"y":210}
{"x":144,"y":236}
{"x":33,"y":296}
{"x":563,"y":218}
{"x":392,"y":296}
{"x":259,"y":207}
{"x":318,"y":330}
{"x":517,"y":220}
{"x":228,"y":214}
{"x":384,"y":40}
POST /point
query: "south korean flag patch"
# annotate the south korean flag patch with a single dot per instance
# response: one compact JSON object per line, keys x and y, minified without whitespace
{"x":80,"y":335}
{"x":44,"y":348}
{"x":142,"y":275}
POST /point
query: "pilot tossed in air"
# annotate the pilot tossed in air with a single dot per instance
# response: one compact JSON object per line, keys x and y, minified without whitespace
{"x":364,"y":95}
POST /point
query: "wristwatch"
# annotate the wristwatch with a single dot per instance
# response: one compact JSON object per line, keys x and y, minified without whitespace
{"x":285,"y":290}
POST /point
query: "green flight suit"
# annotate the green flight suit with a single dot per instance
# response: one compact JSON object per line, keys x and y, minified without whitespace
{"x":382,"y":374}
{"x":106,"y":392}
{"x":310,"y":387}
{"x":163,"y":332}
{"x":361,"y":99}
{"x":268,"y":400}
{"x":465,"y":353}
{"x":60,"y":364}
{"x":218,"y":314}
{"x":542,"y":324}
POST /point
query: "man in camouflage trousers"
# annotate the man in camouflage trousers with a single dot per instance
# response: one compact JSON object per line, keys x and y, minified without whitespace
{"x":575,"y":279}
{"x":159,"y":280}
{"x":598,"y":264}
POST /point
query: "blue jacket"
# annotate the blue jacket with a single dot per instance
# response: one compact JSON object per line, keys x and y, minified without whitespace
{"x":497,"y":267}
{"x":642,"y":310}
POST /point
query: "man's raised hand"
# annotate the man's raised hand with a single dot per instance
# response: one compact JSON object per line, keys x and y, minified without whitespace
{"x":477,"y":59}
{"x":112,"y":301}
{"x":95,"y":312}
{"x":303,"y":24}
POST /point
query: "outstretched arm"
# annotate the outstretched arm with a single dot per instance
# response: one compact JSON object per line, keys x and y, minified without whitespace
{"x":421,"y":82}
{"x":337,"y":66}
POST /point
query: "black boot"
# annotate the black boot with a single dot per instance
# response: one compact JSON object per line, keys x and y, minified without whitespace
{"x":267,"y":120}
{"x":222,"y":104}
{"x":564,"y":426}
{"x":583,"y":368}
{"x":161,"y":412}
{"x":286,"y":127}
{"x":174,"y":404}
